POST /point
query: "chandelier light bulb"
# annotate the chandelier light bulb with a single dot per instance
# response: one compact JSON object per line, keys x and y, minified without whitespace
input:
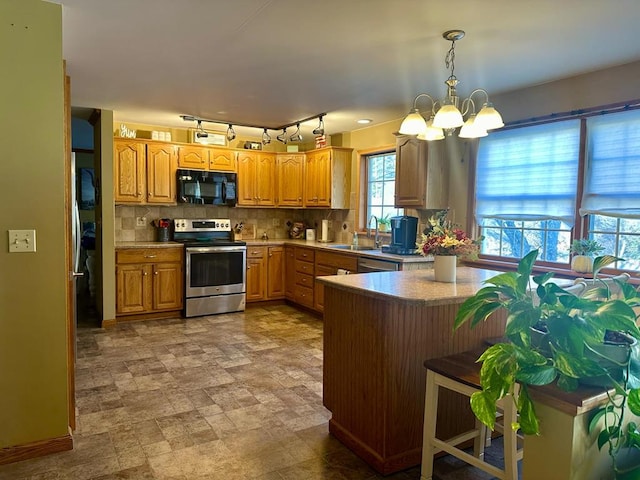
{"x":471,"y":129}
{"x":448,"y":117}
{"x":489,"y":118}
{"x":431,"y":133}
{"x":413,"y":124}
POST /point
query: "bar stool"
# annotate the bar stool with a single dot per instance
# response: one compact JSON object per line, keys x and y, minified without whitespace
{"x":460,"y":373}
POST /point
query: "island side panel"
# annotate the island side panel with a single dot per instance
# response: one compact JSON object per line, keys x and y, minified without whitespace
{"x":374,"y":378}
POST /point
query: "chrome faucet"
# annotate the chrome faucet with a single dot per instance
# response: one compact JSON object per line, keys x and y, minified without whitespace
{"x":376,"y":239}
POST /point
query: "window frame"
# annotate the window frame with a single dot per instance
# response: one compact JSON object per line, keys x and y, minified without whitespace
{"x":581,"y":224}
{"x":362,"y":194}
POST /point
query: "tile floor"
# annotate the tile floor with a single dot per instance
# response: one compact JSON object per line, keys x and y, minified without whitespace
{"x":235,"y":396}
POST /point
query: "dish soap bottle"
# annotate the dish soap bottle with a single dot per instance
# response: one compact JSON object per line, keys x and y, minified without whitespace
{"x":354,"y":243}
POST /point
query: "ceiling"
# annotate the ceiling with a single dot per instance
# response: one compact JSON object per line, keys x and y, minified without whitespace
{"x":273,"y":62}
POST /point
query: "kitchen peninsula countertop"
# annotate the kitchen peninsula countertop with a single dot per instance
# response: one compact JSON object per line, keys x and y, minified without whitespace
{"x":416,"y":286}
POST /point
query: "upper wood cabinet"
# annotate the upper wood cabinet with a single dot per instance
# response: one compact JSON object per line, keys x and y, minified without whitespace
{"x":161,"y":173}
{"x":422,"y":174}
{"x":256,"y":179}
{"x":221,"y":159}
{"x":193,"y":156}
{"x":144,"y":172}
{"x":290,"y":179}
{"x":129,"y":171}
{"x":327,"y":178}
{"x":207,"y":158}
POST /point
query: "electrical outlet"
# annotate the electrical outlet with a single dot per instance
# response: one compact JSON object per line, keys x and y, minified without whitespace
{"x":141,"y":221}
{"x":276,"y":222}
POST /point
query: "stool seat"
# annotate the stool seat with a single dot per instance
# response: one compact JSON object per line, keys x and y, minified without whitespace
{"x":461,"y":373}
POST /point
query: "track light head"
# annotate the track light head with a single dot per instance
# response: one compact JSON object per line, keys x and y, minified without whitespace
{"x":231,"y":134}
{"x":297,"y":136}
{"x":266,"y":138}
{"x":283,"y":136}
{"x":320,"y":129}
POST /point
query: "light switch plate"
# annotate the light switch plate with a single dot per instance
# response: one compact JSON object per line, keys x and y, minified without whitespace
{"x":22,"y":241}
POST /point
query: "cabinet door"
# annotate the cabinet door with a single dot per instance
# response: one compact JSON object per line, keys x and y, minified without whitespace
{"x":193,"y":157}
{"x":317,"y":184}
{"x":411,"y":173}
{"x":290,"y":271}
{"x":318,"y":294}
{"x":133,"y":288}
{"x":129,"y":171}
{"x":167,"y":286}
{"x":222,"y":160}
{"x":265,"y":178}
{"x":247,"y":194}
{"x":290,"y":180}
{"x":256,"y":279}
{"x":275,"y":273}
{"x":161,"y":173}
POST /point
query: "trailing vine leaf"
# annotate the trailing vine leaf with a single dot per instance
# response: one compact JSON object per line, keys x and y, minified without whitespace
{"x":600,"y":262}
{"x":606,"y":434}
{"x":535,"y":375}
{"x":528,"y":419}
{"x":633,"y":401}
{"x":484,"y":408}
{"x":600,"y":413}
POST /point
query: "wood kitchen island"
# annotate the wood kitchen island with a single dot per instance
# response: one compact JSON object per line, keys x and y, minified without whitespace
{"x":379,"y":328}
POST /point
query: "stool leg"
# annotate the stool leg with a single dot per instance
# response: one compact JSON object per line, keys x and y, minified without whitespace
{"x":429,"y":431}
{"x":510,"y":440}
{"x":479,"y":441}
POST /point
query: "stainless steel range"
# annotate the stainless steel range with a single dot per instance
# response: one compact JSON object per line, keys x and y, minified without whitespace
{"x":215,"y":266}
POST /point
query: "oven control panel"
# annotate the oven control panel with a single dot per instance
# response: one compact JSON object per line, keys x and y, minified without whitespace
{"x":202,"y":225}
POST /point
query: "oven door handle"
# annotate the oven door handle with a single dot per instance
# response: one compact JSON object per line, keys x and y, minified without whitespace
{"x":228,"y":248}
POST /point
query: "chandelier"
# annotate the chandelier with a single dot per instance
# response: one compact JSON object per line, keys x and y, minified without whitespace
{"x":445,"y":116}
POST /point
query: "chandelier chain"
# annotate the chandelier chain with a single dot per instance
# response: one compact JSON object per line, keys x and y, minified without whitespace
{"x":450,"y":58}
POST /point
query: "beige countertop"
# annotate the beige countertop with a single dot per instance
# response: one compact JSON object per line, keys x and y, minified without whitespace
{"x":416,"y":286}
{"x":303,"y":243}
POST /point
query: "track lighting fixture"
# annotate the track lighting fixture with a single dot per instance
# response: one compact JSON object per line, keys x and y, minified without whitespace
{"x":266,"y":138}
{"x":231,"y":134}
{"x":297,"y":136}
{"x":283,"y":136}
{"x":320,"y":129}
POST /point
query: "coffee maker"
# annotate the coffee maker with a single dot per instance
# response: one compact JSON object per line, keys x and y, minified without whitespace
{"x":403,"y":235}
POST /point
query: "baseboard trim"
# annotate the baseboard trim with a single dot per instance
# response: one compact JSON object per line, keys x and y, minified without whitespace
{"x":35,"y":449}
{"x":108,"y":323}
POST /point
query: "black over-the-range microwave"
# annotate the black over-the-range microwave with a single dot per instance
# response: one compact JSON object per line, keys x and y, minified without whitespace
{"x":207,"y":188}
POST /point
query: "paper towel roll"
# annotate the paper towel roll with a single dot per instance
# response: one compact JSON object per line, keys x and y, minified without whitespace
{"x":324,"y":237}
{"x":342,"y":271}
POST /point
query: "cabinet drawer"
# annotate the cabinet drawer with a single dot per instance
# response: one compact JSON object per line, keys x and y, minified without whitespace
{"x":304,"y":267}
{"x":148,"y":255}
{"x":337,"y":260}
{"x":304,"y":296}
{"x":305,"y":254}
{"x":305,"y":280}
{"x":255,"y":252}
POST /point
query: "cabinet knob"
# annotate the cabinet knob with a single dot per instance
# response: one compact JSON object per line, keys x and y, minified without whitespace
{"x":144,"y":274}
{"x":155,"y":273}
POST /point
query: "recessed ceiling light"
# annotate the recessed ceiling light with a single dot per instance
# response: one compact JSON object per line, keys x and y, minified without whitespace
{"x":364,"y":121}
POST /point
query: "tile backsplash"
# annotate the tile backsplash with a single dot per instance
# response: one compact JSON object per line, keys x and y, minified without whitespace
{"x":273,"y":221}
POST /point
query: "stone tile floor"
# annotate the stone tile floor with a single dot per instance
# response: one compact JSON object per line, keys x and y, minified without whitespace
{"x":233,"y":396}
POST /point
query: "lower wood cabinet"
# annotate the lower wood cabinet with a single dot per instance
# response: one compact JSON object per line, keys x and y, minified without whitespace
{"x":149,"y":281}
{"x":328,"y":263}
{"x":265,"y":273}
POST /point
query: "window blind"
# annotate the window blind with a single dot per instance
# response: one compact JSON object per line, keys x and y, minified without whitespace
{"x":612,"y":186}
{"x":529,"y":173}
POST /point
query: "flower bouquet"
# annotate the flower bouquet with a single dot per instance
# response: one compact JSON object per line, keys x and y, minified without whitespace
{"x":441,"y":238}
{"x":446,"y":243}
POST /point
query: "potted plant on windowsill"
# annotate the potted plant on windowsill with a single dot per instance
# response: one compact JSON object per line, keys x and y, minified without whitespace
{"x":384,"y":224}
{"x":574,"y":326}
{"x":583,"y":250}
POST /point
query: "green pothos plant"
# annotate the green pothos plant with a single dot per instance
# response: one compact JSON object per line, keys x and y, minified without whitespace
{"x":574,"y":329}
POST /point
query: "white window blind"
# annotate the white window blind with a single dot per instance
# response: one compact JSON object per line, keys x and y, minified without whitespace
{"x":612,"y":182}
{"x":529,"y":173}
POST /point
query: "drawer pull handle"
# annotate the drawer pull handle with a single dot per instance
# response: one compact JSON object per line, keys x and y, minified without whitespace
{"x":149,"y":256}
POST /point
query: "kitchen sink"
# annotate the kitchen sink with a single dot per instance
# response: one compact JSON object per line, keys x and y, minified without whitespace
{"x":351,"y":247}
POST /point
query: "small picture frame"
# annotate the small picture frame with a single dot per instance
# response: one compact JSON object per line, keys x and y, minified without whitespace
{"x":253,"y":145}
{"x":211,"y":138}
